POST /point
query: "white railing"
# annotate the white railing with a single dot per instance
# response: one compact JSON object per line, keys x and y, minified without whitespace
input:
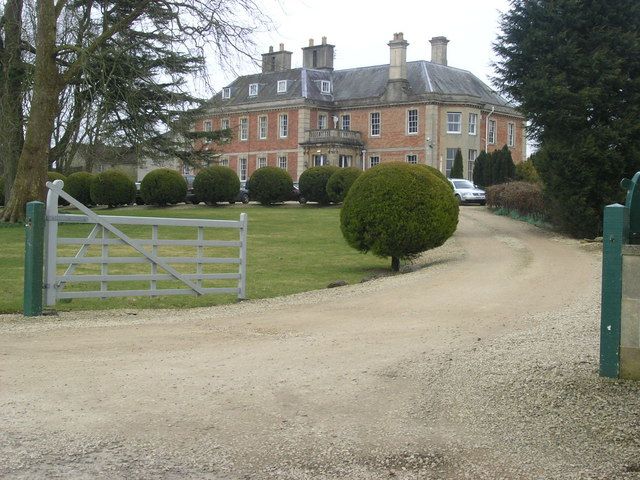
{"x":96,"y":251}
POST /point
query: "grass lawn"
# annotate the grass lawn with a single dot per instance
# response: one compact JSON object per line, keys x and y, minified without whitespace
{"x":291,"y":248}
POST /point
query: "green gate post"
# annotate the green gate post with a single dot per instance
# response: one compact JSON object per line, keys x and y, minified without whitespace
{"x":33,"y":259}
{"x":615,"y":234}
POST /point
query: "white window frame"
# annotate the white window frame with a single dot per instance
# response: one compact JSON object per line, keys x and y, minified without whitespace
{"x":243,"y":166}
{"x":325,"y":86}
{"x":323,"y":120}
{"x":345,"y":125}
{"x":207,"y":126}
{"x":454,"y":122}
{"x":511,"y":134}
{"x":253,"y":89}
{"x":226,"y":93}
{"x":412,"y":158}
{"x":473,"y":124}
{"x":374,"y":160}
{"x":345,"y":161}
{"x":261,"y":162}
{"x":243,"y":131}
{"x":375,"y":127}
{"x":224,"y":161}
{"x":263,"y":127}
{"x":283,"y":125}
{"x":283,"y":162}
{"x":282,"y":86}
{"x":491,"y":132}
{"x":412,"y":123}
{"x":224,"y":123}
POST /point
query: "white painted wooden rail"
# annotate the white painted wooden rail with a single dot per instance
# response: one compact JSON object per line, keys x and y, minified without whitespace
{"x":105,"y":234}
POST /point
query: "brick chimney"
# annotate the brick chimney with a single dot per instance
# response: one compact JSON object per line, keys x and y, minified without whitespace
{"x":276,"y":61}
{"x":439,"y":50}
{"x":398,"y":62}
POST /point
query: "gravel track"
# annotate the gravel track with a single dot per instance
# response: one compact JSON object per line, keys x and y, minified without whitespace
{"x":481,"y":363}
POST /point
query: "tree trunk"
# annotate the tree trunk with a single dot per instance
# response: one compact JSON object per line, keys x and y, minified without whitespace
{"x":31,"y":174}
{"x":395,"y":264}
{"x":11,"y":116}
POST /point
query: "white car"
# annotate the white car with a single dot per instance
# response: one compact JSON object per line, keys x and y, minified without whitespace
{"x":466,"y":192}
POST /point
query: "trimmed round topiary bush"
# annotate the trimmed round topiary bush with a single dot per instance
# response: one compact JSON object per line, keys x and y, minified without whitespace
{"x":216,"y":184}
{"x":51,"y":176}
{"x":313,"y":183}
{"x":340,"y":182}
{"x":78,"y":185}
{"x":112,"y":188}
{"x":163,"y":187}
{"x":398,"y":210}
{"x":269,"y":185}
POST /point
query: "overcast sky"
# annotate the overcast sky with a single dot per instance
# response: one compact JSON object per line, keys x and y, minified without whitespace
{"x":361,"y":29}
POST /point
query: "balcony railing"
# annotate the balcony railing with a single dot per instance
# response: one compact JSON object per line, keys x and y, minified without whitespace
{"x":349,"y":137}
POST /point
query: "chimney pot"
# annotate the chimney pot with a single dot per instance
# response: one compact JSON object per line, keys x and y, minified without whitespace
{"x":311,"y":42}
{"x":282,"y":47}
{"x":324,"y":40}
{"x":271,"y":49}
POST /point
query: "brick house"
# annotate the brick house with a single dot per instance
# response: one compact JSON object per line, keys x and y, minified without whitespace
{"x":418,"y":112}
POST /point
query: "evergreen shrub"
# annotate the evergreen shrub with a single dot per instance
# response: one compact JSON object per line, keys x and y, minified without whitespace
{"x":112,"y":188}
{"x":78,"y":185}
{"x":269,"y":185}
{"x":457,"y":170}
{"x":313,"y":183}
{"x":399,"y":210}
{"x":524,"y":198}
{"x":1,"y":191}
{"x":163,"y":187}
{"x":340,"y":182}
{"x":216,"y":184}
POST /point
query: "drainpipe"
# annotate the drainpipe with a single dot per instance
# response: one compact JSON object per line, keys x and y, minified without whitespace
{"x":486,"y":130}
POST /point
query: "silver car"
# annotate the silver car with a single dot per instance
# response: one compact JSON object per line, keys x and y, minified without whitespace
{"x":466,"y":192}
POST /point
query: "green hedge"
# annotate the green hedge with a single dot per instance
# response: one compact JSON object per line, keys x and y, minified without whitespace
{"x":340,"y":182}
{"x":269,"y":185}
{"x":112,"y":188}
{"x":163,"y":187}
{"x":216,"y":184}
{"x":522,"y":197}
{"x":78,"y":185}
{"x":313,"y":183}
{"x":398,"y":210}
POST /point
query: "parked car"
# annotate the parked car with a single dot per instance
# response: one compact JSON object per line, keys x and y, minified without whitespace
{"x":243,"y":194}
{"x":466,"y":192}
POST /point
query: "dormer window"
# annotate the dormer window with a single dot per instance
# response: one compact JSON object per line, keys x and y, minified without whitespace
{"x":253,"y":90}
{"x":226,"y":92}
{"x":282,"y":86}
{"x":325,"y":86}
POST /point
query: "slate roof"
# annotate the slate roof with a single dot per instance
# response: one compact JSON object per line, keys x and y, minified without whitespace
{"x":427,"y":81}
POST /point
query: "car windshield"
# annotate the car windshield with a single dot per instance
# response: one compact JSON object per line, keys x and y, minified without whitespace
{"x":463,"y":184}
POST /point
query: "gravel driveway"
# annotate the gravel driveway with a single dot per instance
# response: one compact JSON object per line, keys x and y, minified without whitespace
{"x":481,"y":364}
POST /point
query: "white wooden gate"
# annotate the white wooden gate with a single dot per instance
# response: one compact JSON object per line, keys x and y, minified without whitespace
{"x":96,"y":252}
